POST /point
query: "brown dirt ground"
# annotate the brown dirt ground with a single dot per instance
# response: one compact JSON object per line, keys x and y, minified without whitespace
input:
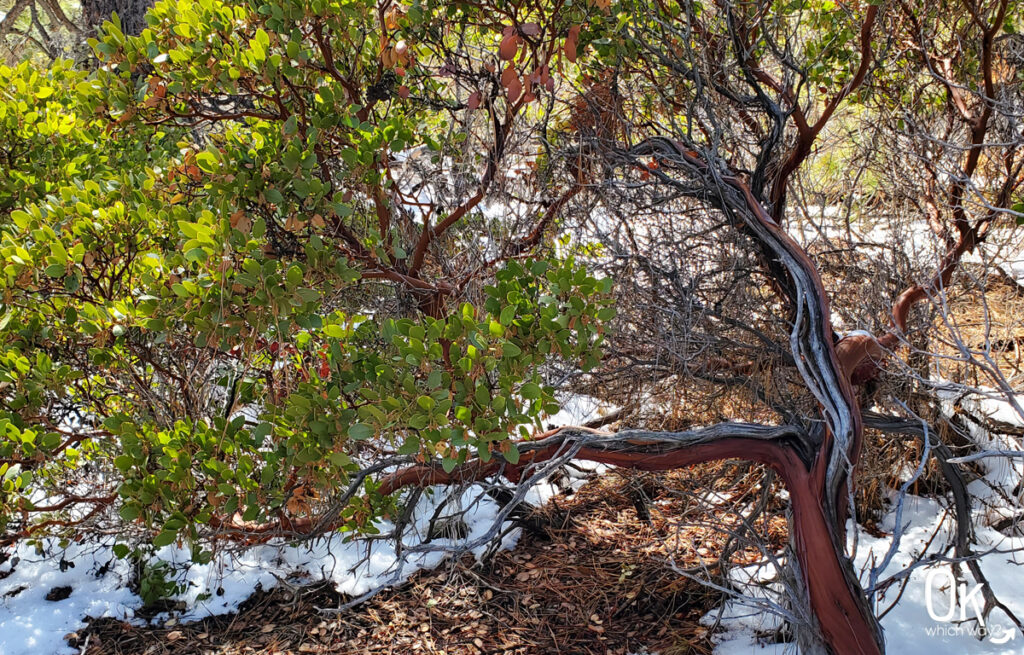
{"x":591,"y":580}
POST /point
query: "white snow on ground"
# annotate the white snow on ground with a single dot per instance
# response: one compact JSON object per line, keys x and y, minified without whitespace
{"x":99,"y":582}
{"x":575,"y":409}
{"x":355,"y":568}
{"x":1000,"y":472}
{"x":909,"y":628}
{"x":32,"y":625}
{"x":1014,"y":269}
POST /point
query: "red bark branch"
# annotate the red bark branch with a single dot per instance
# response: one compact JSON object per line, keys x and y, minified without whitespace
{"x":839,"y":612}
{"x":806,"y":137}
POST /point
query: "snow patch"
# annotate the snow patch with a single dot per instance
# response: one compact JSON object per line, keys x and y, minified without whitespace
{"x":577,"y":409}
{"x":99,"y":582}
{"x":909,"y":628}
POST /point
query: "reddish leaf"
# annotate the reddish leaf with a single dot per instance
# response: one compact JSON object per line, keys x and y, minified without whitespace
{"x":508,"y":75}
{"x":571,"y":43}
{"x":403,"y":91}
{"x":514,"y":89}
{"x":474,"y":101}
{"x":509,"y":47}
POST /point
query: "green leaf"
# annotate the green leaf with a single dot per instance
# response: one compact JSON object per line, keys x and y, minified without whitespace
{"x":426,"y":402}
{"x":21,"y":219}
{"x":410,"y":446}
{"x":530,"y":391}
{"x":164,"y":539}
{"x":339,"y":459}
{"x":482,"y":395}
{"x":207,"y":161}
{"x":360,"y":431}
{"x":510,"y":452}
{"x":290,"y":126}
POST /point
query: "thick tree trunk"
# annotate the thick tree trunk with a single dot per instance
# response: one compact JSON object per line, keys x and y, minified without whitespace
{"x":819,"y":470}
{"x":131,"y":12}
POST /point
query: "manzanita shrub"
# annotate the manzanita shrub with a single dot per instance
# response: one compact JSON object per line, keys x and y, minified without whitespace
{"x":221,"y":305}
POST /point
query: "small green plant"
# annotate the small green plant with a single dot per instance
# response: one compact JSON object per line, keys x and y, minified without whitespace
{"x":158,"y":582}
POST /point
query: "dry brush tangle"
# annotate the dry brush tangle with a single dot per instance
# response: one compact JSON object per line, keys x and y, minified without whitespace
{"x":690,"y":201}
{"x":815,"y":462}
